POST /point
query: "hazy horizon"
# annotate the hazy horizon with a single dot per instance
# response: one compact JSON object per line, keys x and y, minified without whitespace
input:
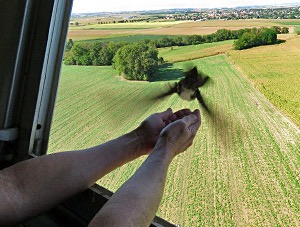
{"x":93,"y":6}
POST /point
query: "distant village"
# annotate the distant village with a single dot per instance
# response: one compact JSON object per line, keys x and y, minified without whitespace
{"x":238,"y":13}
{"x":284,"y":12}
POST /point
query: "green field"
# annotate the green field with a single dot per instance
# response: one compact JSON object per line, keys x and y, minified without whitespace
{"x":293,"y":23}
{"x":243,"y":168}
{"x":127,"y":38}
{"x":274,"y":70}
{"x":185,"y":53}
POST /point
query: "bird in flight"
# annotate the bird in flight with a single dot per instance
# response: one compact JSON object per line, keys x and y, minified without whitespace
{"x":188,"y":87}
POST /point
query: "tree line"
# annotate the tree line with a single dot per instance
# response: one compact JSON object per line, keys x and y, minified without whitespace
{"x":256,"y":37}
{"x":139,"y":60}
{"x":102,"y":53}
{"x":98,"y":53}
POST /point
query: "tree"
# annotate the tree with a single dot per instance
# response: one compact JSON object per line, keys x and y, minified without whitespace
{"x":69,"y":45}
{"x":165,"y":42}
{"x":223,"y":34}
{"x":268,"y":36}
{"x":179,"y":41}
{"x":276,"y":29}
{"x":284,"y":30}
{"x":81,"y":54}
{"x":247,"y":40}
{"x":137,"y":61}
{"x":256,"y":37}
{"x":68,"y":58}
{"x":94,"y":53}
{"x":103,"y":53}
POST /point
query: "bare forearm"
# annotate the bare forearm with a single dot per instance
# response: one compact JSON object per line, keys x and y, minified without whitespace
{"x":136,"y":202}
{"x":42,"y":182}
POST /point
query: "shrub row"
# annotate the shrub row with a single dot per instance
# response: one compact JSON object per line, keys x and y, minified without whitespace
{"x":256,"y":37}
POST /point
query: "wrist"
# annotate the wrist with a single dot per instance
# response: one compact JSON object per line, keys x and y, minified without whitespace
{"x":163,"y":147}
{"x":141,"y":141}
{"x":162,"y":154}
{"x":144,"y":140}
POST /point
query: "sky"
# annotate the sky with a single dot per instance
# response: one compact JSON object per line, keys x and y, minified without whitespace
{"x":90,"y":6}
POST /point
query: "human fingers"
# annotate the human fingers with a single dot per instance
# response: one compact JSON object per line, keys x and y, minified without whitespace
{"x":197,"y":113}
{"x":195,"y":126}
{"x":166,"y":115}
{"x":180,"y":114}
{"x":190,"y":119}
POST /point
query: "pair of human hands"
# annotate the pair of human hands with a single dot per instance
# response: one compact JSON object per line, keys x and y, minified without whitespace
{"x":175,"y":130}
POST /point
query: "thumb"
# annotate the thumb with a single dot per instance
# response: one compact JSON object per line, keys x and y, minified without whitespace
{"x":165,"y":115}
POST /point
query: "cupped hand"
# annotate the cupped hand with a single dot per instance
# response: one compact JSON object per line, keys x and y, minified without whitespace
{"x":150,"y":129}
{"x":179,"y":135}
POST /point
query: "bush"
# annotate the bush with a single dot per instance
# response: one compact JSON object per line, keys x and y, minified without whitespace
{"x":68,"y":58}
{"x":256,"y":37}
{"x":80,"y":53}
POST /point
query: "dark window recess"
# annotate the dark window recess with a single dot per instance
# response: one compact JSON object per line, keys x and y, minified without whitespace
{"x":79,"y":211}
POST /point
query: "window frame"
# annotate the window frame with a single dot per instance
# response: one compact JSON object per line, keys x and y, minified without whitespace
{"x":50,"y":76}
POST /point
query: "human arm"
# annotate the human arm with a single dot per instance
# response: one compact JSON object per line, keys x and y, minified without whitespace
{"x":33,"y":186}
{"x":137,"y":201}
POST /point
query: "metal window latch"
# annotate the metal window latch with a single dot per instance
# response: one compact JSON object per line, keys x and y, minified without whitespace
{"x":9,"y":134}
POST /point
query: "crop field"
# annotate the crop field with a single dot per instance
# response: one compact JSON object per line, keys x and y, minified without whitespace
{"x":135,"y":25}
{"x":185,"y":53}
{"x":274,"y":70}
{"x":293,"y":24}
{"x":95,"y":31}
{"x":243,"y":168}
{"x":127,"y":38}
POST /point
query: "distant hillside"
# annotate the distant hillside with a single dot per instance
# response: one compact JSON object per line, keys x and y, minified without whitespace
{"x":181,"y":10}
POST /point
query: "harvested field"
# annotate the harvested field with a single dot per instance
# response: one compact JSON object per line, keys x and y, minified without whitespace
{"x":95,"y":31}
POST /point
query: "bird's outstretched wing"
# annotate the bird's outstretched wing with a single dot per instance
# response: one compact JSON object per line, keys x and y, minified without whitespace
{"x":201,"y":100}
{"x":172,"y":90}
{"x":202,"y":79}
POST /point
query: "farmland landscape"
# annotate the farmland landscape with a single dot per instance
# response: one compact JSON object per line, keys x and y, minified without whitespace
{"x":98,"y":31}
{"x":243,"y":168}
